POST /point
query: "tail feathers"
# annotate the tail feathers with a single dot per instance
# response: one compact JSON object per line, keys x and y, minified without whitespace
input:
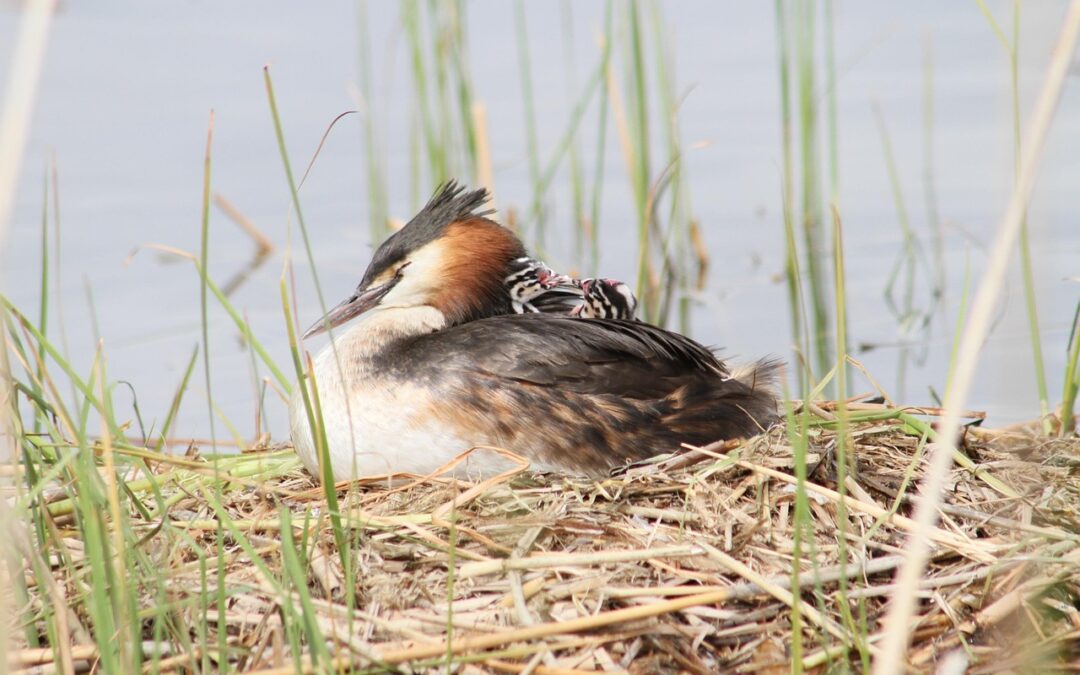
{"x":711,"y":409}
{"x":760,"y":380}
{"x":763,"y":373}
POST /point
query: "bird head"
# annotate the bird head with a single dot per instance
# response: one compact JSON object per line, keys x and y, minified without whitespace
{"x":606,"y":299}
{"x":449,"y":257}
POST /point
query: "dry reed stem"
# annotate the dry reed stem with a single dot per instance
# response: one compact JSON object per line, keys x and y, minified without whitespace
{"x":485,"y":178}
{"x":895,"y":629}
{"x":539,"y":670}
{"x":618,"y":113}
{"x":264,"y":245}
{"x":27,"y":58}
{"x":555,"y":628}
{"x":782,"y":594}
{"x":35,"y":657}
{"x":957,"y":543}
{"x":572,"y":560}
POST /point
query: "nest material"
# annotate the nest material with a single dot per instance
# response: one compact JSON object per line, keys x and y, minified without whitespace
{"x":682,"y":564}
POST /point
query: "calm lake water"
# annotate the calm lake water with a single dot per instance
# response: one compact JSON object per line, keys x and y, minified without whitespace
{"x":128,"y":87}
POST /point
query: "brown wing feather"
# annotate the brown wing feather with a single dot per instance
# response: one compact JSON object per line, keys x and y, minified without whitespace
{"x":585,"y":395}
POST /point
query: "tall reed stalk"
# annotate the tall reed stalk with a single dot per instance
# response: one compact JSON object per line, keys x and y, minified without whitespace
{"x":639,"y":153}
{"x":374,"y":150}
{"x":446,"y":146}
{"x":801,"y":119}
{"x":1012,"y":51}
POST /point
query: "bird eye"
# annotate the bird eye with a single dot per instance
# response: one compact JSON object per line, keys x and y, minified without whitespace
{"x":398,"y":271}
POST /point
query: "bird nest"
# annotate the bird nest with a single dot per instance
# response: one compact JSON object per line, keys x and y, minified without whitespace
{"x":714,"y":559}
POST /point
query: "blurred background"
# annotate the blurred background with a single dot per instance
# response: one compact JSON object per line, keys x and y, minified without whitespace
{"x":697,"y":149}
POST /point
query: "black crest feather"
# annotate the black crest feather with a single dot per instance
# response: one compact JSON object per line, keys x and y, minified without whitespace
{"x":450,"y":203}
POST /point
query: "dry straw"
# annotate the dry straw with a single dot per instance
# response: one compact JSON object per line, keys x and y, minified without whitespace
{"x":668,"y":565}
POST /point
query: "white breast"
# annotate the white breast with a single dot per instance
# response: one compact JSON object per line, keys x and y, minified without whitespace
{"x":376,"y":424}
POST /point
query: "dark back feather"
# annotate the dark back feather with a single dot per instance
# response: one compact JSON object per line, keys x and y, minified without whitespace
{"x":584,"y":394}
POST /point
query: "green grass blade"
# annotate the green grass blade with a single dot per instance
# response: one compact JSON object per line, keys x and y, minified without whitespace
{"x":313,"y":409}
{"x":1012,"y":51}
{"x":811,"y":220}
{"x":640,"y":165}
{"x":90,"y":398}
{"x":1072,"y":377}
{"x":295,"y":570}
{"x":204,"y":254}
{"x":174,"y":407}
{"x":293,"y":191}
{"x":43,"y":309}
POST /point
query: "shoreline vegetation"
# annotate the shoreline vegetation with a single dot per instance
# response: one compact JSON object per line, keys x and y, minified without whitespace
{"x":179,"y":562}
{"x":861,"y":533}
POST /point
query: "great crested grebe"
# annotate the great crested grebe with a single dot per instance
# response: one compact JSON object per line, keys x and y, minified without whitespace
{"x":535,"y":287}
{"x":441,"y":363}
{"x":605,"y":299}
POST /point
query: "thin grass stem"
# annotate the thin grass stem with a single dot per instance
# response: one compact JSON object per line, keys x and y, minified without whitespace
{"x":204,"y":254}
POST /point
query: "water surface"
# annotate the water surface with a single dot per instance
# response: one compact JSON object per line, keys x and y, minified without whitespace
{"x":128,"y":88}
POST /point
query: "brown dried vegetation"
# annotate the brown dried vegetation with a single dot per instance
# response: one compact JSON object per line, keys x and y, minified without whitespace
{"x":682,"y":564}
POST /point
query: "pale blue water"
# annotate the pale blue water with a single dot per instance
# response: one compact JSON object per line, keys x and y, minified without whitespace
{"x":128,"y":88}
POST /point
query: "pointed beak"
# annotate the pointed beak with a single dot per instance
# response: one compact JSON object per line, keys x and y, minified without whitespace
{"x":352,"y":307}
{"x":558,"y":280}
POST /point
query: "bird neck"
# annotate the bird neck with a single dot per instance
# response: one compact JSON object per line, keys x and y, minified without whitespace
{"x":385,"y":326}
